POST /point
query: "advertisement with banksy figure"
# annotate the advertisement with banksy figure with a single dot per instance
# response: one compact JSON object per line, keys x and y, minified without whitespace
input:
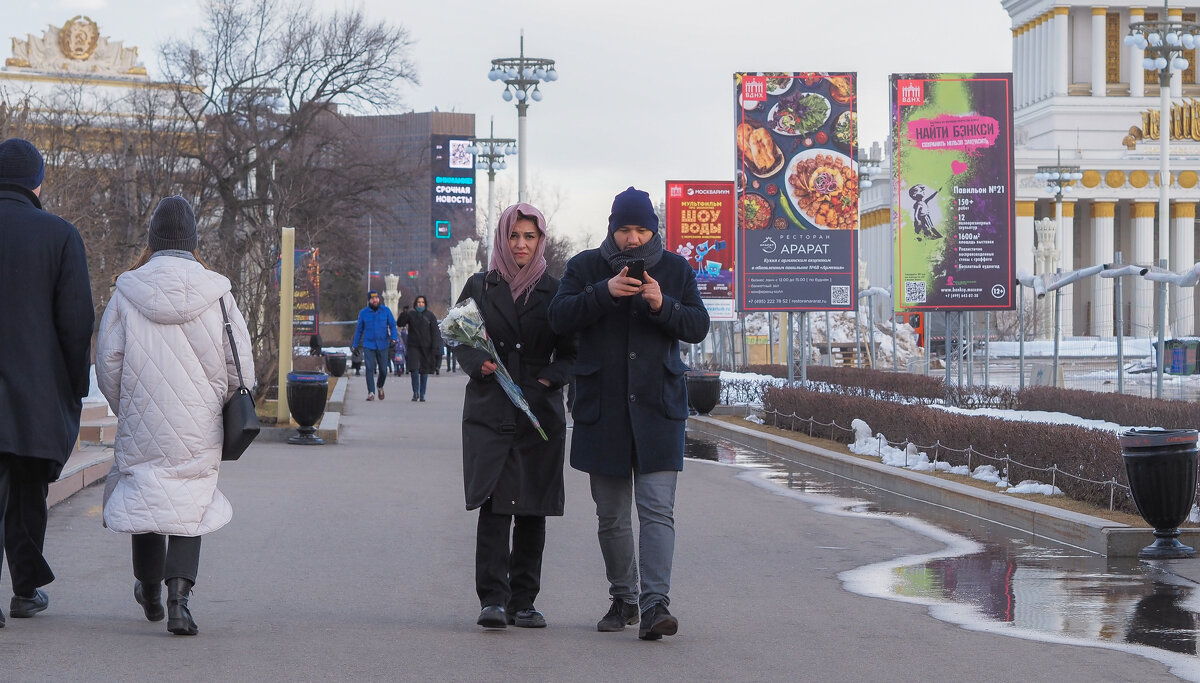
{"x":699,"y":220}
{"x":796,"y":179}
{"x":952,"y":187}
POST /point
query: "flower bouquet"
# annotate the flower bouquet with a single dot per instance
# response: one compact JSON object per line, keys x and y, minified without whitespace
{"x":464,"y":324}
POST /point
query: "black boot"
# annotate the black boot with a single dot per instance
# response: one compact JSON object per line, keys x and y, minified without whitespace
{"x":149,"y":596}
{"x":179,"y":617}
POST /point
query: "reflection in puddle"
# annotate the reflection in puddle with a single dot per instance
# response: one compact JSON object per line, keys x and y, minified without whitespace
{"x":998,"y":581}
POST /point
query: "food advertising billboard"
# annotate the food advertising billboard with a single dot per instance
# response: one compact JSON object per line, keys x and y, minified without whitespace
{"x":952,"y":176}
{"x":452,"y":205}
{"x":700,"y":228}
{"x":796,"y":179}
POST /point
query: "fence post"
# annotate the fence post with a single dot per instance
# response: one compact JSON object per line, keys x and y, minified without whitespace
{"x":1053,"y":472}
{"x":879,"y":447}
{"x":1112,"y":493}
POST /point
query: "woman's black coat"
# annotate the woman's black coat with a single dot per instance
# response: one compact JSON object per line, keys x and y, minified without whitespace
{"x":424,"y":340}
{"x":503,"y":455}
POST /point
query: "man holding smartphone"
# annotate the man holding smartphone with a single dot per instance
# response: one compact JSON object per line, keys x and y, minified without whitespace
{"x":630,"y":303}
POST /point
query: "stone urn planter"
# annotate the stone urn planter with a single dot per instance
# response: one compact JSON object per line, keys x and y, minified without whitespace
{"x":1161,"y":467}
{"x":306,"y":393}
{"x":704,"y":390}
{"x":335,"y":363}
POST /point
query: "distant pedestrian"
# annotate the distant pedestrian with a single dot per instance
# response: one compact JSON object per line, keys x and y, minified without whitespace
{"x":164,"y":363}
{"x":512,"y":475}
{"x":630,"y":404}
{"x":423,"y":342}
{"x":373,"y":335}
{"x":45,"y":336}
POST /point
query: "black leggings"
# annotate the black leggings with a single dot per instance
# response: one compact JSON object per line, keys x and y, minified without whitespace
{"x":154,"y":560}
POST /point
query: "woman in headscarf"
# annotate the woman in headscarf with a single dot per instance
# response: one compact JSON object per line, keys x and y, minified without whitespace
{"x":512,"y":475}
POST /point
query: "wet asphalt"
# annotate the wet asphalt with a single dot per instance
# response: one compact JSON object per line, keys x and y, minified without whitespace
{"x":355,"y":561}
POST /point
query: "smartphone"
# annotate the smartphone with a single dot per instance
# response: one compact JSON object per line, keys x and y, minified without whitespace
{"x":637,"y":269}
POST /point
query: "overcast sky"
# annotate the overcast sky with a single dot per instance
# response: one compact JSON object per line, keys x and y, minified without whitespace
{"x":645,"y":89}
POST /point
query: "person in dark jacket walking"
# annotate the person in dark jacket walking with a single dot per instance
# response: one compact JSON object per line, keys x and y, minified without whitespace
{"x":630,"y":405}
{"x":424,"y":342}
{"x":512,"y":475}
{"x":374,"y":332}
{"x":46,"y":306}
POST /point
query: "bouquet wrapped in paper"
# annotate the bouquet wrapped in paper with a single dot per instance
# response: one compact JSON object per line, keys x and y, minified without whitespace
{"x":464,"y":324}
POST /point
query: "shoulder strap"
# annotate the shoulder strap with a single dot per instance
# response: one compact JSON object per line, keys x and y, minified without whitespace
{"x":237,"y":362}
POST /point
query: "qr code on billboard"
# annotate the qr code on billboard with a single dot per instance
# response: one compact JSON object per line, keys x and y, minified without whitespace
{"x":914,"y":291}
{"x":839,"y":295}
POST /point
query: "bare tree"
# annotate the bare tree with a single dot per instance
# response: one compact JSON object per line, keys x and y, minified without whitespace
{"x":259,"y":85}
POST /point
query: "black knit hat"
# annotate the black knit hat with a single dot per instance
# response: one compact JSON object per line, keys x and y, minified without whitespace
{"x":632,"y":207}
{"x":173,"y":225}
{"x":21,"y":164}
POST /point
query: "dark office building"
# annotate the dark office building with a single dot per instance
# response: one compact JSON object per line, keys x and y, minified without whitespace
{"x":412,"y":234}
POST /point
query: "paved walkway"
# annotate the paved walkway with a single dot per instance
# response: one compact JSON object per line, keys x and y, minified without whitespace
{"x":355,"y":562}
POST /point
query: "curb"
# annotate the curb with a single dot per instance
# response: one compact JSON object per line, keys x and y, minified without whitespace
{"x":1093,"y":534}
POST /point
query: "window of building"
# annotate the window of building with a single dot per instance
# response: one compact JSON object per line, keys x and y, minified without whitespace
{"x":1112,"y":47}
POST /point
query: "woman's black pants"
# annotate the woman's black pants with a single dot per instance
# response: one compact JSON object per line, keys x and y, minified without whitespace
{"x":155,"y":560}
{"x":504,"y":577}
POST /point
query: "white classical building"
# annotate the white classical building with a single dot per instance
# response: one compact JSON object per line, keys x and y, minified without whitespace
{"x":1079,"y":91}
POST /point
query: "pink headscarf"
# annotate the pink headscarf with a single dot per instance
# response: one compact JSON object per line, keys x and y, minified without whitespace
{"x":520,"y":280}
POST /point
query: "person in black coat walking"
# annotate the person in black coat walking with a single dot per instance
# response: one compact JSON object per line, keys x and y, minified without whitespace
{"x":424,"y":342}
{"x":630,"y":404}
{"x":46,"y":306}
{"x":510,"y":473}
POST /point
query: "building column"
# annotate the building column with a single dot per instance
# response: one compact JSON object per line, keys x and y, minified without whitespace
{"x":1045,"y":56}
{"x":1102,"y":252}
{"x":1066,"y":256}
{"x":1183,"y":245}
{"x":1062,"y":44}
{"x":1023,"y":238}
{"x":1026,"y":51}
{"x":1137,"y":75}
{"x":1099,"y":87}
{"x":1142,"y":317}
{"x":1176,"y":14}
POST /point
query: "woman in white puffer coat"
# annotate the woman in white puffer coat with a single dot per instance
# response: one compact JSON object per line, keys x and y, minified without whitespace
{"x":164,"y":363}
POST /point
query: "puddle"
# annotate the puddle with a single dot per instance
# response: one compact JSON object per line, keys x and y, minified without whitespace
{"x":991,"y":578}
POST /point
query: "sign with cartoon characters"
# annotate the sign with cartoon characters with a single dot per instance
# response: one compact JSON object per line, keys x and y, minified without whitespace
{"x":699,"y":220}
{"x":796,"y":181}
{"x":952,"y":167}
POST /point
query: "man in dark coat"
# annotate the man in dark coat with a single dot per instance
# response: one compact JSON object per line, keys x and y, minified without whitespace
{"x":630,"y":405}
{"x":46,"y":309}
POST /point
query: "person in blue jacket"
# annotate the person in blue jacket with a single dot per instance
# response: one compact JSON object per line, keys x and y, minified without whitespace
{"x":374,"y":332}
{"x":631,"y":403}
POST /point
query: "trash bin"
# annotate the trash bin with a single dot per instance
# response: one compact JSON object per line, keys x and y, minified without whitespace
{"x":1161,"y":467}
{"x":306,"y":394}
{"x":704,"y":390}
{"x":335,"y":363}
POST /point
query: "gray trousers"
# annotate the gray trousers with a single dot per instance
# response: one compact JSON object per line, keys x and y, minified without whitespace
{"x":654,"y":495}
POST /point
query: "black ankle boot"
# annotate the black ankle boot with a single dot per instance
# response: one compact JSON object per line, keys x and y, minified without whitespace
{"x":179,"y":617}
{"x":149,"y":596}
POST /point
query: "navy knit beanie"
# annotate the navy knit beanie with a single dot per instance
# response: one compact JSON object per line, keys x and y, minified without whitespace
{"x":21,"y":164}
{"x":173,"y":225}
{"x":632,"y":207}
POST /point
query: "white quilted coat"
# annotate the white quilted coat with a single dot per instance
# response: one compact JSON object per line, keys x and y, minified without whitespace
{"x":164,"y":363}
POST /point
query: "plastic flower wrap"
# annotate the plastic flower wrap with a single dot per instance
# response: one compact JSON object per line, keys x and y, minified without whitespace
{"x":464,"y":324}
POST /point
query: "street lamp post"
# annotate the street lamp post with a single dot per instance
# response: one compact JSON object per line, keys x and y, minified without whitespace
{"x":1164,"y":42}
{"x":489,"y":156}
{"x":1059,"y":180}
{"x":522,"y":75}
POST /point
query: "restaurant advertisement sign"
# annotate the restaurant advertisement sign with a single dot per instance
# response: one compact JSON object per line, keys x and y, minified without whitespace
{"x":953,"y":191}
{"x":700,"y":228}
{"x":796,"y":181}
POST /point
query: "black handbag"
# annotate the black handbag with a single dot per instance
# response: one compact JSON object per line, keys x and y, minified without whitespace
{"x":240,"y":420}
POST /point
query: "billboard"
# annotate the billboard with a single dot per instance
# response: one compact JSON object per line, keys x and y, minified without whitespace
{"x":306,"y":297}
{"x":952,"y":178}
{"x":796,"y":179}
{"x":700,"y":228}
{"x":452,"y":204}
